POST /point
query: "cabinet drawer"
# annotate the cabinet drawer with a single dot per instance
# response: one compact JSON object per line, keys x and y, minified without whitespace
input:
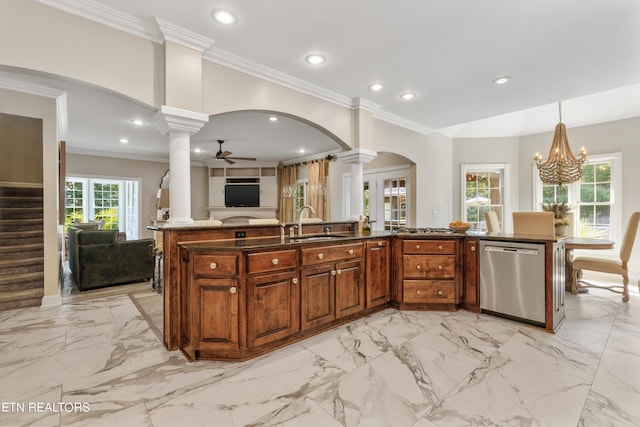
{"x":434,"y":266}
{"x":429,"y":291}
{"x":215,"y":265}
{"x":429,"y":247}
{"x":325,"y":254}
{"x":271,"y":261}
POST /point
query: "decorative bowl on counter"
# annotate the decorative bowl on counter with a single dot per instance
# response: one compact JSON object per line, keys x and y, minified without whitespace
{"x":459,"y":228}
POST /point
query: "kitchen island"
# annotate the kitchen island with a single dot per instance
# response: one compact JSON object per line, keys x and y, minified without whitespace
{"x":233,"y":293}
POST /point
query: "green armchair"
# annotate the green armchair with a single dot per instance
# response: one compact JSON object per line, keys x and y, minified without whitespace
{"x":97,"y":258}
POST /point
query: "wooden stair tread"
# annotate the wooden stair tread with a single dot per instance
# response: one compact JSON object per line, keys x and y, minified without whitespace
{"x":22,"y":294}
{"x":13,"y":278}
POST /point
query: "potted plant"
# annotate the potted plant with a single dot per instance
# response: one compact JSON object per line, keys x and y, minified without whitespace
{"x":559,"y":216}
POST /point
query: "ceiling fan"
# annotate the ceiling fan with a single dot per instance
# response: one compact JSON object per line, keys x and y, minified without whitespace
{"x":226,"y":155}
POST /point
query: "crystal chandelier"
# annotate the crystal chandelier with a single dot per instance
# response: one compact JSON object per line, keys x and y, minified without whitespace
{"x":561,"y":167}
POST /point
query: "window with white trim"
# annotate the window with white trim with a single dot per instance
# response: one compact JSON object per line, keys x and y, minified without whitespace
{"x":592,"y":199}
{"x":484,"y":189}
{"x":113,"y":201}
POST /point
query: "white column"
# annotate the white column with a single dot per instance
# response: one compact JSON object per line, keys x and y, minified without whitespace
{"x":179,"y":125}
{"x":357,"y":157}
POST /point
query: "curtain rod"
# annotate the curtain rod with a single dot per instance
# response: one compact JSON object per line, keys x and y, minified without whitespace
{"x":329,"y":157}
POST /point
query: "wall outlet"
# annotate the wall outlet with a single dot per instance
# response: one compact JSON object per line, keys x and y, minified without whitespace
{"x":327,"y":230}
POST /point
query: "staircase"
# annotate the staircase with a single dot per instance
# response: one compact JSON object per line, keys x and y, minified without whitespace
{"x":21,"y":247}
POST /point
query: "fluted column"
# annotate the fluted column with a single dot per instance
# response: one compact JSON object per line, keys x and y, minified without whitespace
{"x":179,"y":125}
{"x":357,"y":157}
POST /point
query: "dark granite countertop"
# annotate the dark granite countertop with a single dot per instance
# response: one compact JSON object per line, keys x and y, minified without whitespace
{"x":277,"y":242}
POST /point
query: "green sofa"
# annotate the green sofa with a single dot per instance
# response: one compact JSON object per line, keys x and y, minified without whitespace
{"x":97,"y":258}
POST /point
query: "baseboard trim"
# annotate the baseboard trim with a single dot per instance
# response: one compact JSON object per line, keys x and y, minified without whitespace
{"x":51,"y":301}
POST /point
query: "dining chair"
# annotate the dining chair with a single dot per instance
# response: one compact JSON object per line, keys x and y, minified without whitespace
{"x":493,"y":224}
{"x":609,"y":266}
{"x":534,"y":223}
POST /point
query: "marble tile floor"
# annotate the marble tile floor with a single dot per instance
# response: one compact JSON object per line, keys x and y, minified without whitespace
{"x":98,"y":362}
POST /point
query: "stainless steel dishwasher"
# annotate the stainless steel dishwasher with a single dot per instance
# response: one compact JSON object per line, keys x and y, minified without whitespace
{"x":512,"y":280}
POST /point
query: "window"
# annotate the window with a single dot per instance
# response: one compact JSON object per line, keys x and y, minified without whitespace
{"x":592,"y":198}
{"x":301,"y":192}
{"x":484,"y":190}
{"x":113,"y":201}
{"x":395,"y":203}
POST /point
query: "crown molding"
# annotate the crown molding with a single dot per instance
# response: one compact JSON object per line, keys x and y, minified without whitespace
{"x":108,"y":16}
{"x":160,"y":31}
{"x":172,"y":119}
{"x":183,"y":37}
{"x":255,"y":69}
{"x":402,"y":122}
{"x":117,"y":155}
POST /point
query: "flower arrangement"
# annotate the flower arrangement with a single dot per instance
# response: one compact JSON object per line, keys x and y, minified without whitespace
{"x":561,"y":221}
{"x":559,"y":211}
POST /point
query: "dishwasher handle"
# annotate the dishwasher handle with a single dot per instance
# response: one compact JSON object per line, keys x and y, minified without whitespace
{"x":511,"y":250}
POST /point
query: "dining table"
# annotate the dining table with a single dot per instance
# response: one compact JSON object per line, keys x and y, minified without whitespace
{"x":573,"y":243}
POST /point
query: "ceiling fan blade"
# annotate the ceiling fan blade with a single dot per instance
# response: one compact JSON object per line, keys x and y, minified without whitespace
{"x":242,"y":158}
{"x":231,"y":162}
{"x":223,"y":155}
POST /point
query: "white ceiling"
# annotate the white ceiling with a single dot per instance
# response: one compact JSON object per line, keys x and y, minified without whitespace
{"x":583,"y":52}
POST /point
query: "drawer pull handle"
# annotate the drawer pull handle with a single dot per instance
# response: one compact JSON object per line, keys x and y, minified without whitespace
{"x":440,"y":267}
{"x":473,"y":248}
{"x":380,"y":243}
{"x":350,"y":251}
{"x":294,"y":280}
{"x":439,"y":247}
{"x":419,"y":267}
{"x":320,"y":256}
{"x":418,"y":292}
{"x":333,"y":272}
{"x":213,"y":265}
{"x":274,"y":261}
{"x":233,"y":290}
{"x":339,"y":271}
{"x":417,"y":246}
{"x":439,"y":292}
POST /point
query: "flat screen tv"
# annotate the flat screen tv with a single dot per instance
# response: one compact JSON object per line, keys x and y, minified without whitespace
{"x":242,"y":196}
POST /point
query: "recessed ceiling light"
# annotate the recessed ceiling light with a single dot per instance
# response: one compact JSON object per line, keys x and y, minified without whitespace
{"x":376,"y":87}
{"x":273,"y":119}
{"x":223,"y":17}
{"x":501,"y":80}
{"x":137,"y":122}
{"x":407,"y":96}
{"x":302,"y":151}
{"x":197,"y":150}
{"x":315,"y":59}
{"x":124,"y":140}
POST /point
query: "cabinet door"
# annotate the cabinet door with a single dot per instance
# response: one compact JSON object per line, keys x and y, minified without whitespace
{"x":378,"y":272}
{"x":268,"y":191}
{"x":272,"y":307}
{"x":216,"y":191}
{"x":349,"y":288}
{"x":317,"y":296}
{"x":215,"y":315}
{"x":471,"y":254}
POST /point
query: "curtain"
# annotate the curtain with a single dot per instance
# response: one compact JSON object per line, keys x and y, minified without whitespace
{"x":318,"y":188}
{"x":287,"y":181}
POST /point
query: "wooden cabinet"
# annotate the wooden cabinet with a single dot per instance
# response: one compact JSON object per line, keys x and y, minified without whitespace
{"x":211,"y":306}
{"x":471,"y":292}
{"x":332,"y":286}
{"x":378,"y":272}
{"x":428,"y":273}
{"x":273,"y":296}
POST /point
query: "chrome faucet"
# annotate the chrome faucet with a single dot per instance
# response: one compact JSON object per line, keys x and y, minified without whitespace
{"x":313,"y":211}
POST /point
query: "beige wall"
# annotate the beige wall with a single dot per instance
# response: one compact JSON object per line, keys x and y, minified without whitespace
{"x":150,"y":174}
{"x":20,"y":145}
{"x":183,"y":77}
{"x":39,"y":37}
{"x":44,"y":109}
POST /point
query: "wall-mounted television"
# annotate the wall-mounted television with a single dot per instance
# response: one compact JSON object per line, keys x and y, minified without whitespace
{"x":242,"y":195}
